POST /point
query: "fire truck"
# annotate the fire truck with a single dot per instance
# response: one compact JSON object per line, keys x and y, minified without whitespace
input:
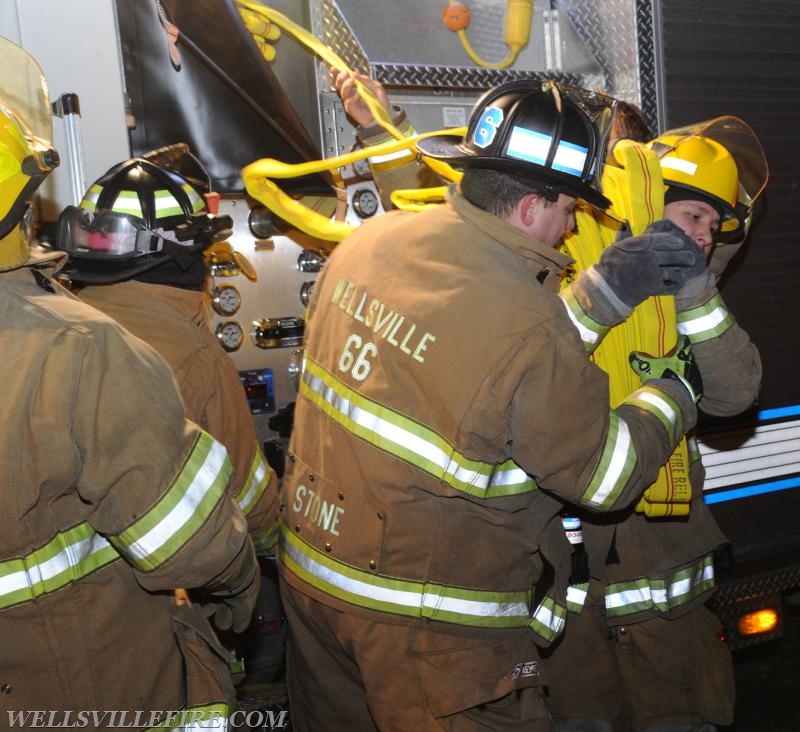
{"x":130,"y":76}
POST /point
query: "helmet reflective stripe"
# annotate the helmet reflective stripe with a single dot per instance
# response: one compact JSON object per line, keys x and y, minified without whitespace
{"x":181,"y":511}
{"x":166,"y":205}
{"x":462,"y":606}
{"x":196,"y":201}
{"x":590,"y":331}
{"x":69,"y":556}
{"x":255,"y":484}
{"x":662,"y":407}
{"x":127,"y":202}
{"x":707,"y":321}
{"x":534,"y":147}
{"x":89,"y":202}
{"x":409,"y":440}
{"x":617,"y":461}
{"x":662,"y":595}
{"x":675,"y":163}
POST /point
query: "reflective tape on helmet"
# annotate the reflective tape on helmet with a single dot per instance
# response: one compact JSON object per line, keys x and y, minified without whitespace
{"x":705,"y":322}
{"x":127,"y":202}
{"x":661,"y":595}
{"x":181,"y":511}
{"x":409,"y":440}
{"x":411,"y":598}
{"x":166,"y":205}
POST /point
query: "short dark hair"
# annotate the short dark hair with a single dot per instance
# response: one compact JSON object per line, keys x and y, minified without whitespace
{"x":497,"y":192}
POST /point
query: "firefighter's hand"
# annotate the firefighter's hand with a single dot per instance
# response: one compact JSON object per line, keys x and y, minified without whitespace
{"x":657,"y":262}
{"x":678,"y":364}
{"x":354,"y":105}
{"x":234,"y":608}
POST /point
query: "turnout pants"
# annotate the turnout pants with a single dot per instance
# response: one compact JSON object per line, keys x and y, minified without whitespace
{"x":349,"y":672}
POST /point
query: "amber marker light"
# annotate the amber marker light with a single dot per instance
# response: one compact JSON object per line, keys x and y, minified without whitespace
{"x":758,"y":622}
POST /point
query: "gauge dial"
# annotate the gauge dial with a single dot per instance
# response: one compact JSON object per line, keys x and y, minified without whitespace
{"x":225,"y":299}
{"x":230,"y":335}
{"x":365,"y":203}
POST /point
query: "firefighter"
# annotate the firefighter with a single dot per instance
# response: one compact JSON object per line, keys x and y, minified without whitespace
{"x":136,"y":247}
{"x":446,"y":408}
{"x":658,"y":660}
{"x":111,"y":498}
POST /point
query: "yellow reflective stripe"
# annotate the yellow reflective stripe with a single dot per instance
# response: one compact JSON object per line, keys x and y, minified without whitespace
{"x":408,"y":440}
{"x":166,"y":205}
{"x":462,"y":606}
{"x":89,"y":202}
{"x":662,"y":595}
{"x":590,"y":331}
{"x":255,"y":483}
{"x":202,"y":717}
{"x":127,"y":202}
{"x":196,"y":201}
{"x":181,"y":511}
{"x":68,"y":557}
{"x":576,"y":597}
{"x":660,"y":405}
{"x":616,"y":464}
{"x":707,"y":321}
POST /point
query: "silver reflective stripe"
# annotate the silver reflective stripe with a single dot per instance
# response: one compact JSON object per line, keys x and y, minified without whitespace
{"x":411,"y":441}
{"x":576,"y":597}
{"x":69,"y":556}
{"x":658,"y":404}
{"x":256,"y":483}
{"x":683,"y":586}
{"x":185,"y":509}
{"x":706,"y":321}
{"x":615,"y":466}
{"x":403,"y":597}
{"x":590,"y":331}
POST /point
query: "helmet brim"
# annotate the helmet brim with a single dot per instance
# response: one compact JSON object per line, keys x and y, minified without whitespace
{"x":450,"y":149}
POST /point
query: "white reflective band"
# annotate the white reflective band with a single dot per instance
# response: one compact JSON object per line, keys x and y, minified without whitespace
{"x":128,"y":203}
{"x":704,"y":323}
{"x":658,"y":403}
{"x":616,"y":466}
{"x":167,"y":201}
{"x":509,"y":476}
{"x":658,"y":597}
{"x":545,"y":616}
{"x":68,"y":558}
{"x":587,"y":335}
{"x":395,"y":434}
{"x":576,"y":595}
{"x":248,"y":499}
{"x":184,"y":511}
{"x":376,"y":593}
{"x":525,"y":144}
{"x":388,"y":157}
{"x":679,"y":164}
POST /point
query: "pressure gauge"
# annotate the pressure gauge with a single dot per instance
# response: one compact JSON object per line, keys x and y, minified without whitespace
{"x":365,"y":202}
{"x":225,"y":299}
{"x":230,"y":335}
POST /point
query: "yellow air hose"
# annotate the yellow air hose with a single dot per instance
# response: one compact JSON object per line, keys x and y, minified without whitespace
{"x":257,"y":175}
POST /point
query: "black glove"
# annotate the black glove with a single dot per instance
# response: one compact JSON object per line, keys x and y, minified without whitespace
{"x":658,"y":262}
{"x":678,"y":364}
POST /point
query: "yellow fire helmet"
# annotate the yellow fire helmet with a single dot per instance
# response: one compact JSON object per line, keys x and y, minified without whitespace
{"x":721,"y":160}
{"x":26,"y":149}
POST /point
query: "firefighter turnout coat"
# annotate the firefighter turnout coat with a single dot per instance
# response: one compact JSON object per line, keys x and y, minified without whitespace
{"x":110,"y":499}
{"x":445,"y":399}
{"x":174,"y":322}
